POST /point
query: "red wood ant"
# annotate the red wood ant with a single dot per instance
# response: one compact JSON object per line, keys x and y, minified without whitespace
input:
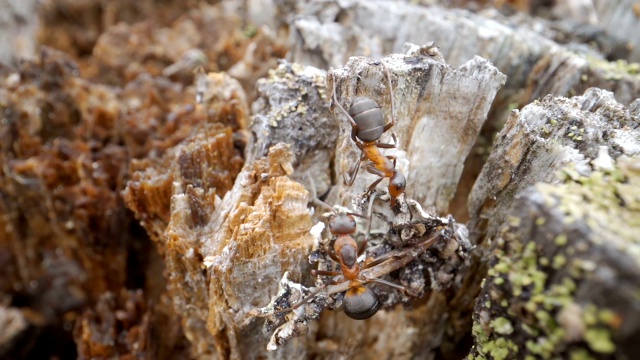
{"x":367,"y":126}
{"x":359,"y":301}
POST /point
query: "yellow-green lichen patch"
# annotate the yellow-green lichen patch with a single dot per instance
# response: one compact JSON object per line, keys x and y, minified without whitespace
{"x":614,"y":70}
{"x":502,"y":325}
{"x":599,"y":340}
{"x":608,"y":202}
{"x":500,"y":349}
{"x":580,"y":354}
{"x":536,"y":282}
{"x":561,"y":240}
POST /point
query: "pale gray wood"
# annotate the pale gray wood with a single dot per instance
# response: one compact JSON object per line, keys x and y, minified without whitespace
{"x":439,"y":111}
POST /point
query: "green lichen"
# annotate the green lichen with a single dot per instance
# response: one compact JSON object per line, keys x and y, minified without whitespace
{"x":580,"y":354}
{"x":599,"y":340}
{"x":559,"y":261}
{"x":502,"y":325}
{"x":500,"y":349}
{"x":561,"y":240}
{"x":542,"y":312}
{"x":614,"y":70}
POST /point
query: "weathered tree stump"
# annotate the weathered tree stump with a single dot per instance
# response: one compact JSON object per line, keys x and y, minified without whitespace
{"x":151,"y":208}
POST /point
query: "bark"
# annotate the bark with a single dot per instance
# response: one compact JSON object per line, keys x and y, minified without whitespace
{"x":556,"y":206}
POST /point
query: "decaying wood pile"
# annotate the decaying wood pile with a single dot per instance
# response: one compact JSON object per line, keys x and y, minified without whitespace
{"x":166,"y":174}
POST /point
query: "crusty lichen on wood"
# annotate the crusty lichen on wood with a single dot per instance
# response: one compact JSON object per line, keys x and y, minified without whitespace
{"x":566,"y":276}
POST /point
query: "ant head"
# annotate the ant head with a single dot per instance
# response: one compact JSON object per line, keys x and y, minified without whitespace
{"x":360,"y":303}
{"x":342,"y":224}
{"x":397,"y":183}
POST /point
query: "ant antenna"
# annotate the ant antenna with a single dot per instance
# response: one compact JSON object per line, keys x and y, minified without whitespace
{"x":370,"y":213}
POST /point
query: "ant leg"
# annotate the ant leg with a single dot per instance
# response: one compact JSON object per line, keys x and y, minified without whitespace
{"x":393,"y":108}
{"x":331,"y":254}
{"x":389,"y":146}
{"x":374,"y":184}
{"x":395,"y":286}
{"x":324,"y":273}
{"x":393,"y":158}
{"x":354,"y":126}
{"x":354,"y":172}
{"x":381,"y":259}
{"x":386,"y":146}
{"x":305,"y":300}
{"x":363,"y":245}
{"x":314,"y":194}
{"x":370,"y":168}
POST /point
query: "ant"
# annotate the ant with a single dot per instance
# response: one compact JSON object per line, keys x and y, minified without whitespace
{"x":359,"y":302}
{"x":367,"y":126}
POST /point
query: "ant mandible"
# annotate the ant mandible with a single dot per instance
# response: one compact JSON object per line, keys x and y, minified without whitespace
{"x":367,"y":126}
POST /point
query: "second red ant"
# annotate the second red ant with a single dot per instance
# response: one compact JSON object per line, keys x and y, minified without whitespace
{"x":359,"y":302}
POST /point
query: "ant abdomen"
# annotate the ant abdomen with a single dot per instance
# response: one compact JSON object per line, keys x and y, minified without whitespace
{"x":360,"y":303}
{"x":369,"y":117}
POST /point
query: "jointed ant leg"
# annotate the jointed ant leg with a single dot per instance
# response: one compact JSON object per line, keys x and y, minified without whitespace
{"x":386,"y":146}
{"x":331,"y":253}
{"x":371,"y":169}
{"x":381,"y":259}
{"x":306,"y":299}
{"x":325,"y":273}
{"x":354,"y":172}
{"x":392,"y":285}
{"x":314,"y":194}
{"x":393,"y":108}
{"x":393,"y":158}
